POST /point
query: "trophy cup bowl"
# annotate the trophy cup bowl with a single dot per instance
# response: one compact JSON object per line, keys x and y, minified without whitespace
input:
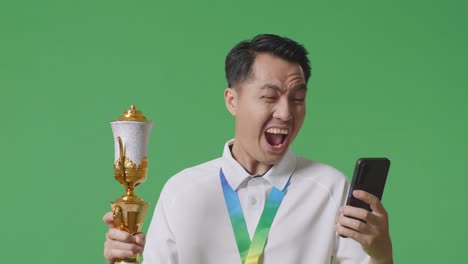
{"x":131,"y":135}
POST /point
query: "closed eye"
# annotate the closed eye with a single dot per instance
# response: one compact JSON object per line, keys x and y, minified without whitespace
{"x":269,"y":97}
{"x":299,"y":99}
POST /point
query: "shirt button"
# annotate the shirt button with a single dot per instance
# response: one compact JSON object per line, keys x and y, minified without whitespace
{"x":256,"y":179}
{"x":253,"y":201}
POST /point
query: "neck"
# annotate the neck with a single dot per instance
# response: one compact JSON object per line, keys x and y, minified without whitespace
{"x":254,"y":167}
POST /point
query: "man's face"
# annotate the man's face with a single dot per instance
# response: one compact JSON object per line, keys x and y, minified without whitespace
{"x":269,"y":108}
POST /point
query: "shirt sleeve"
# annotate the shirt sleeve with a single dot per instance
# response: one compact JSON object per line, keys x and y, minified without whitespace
{"x":161,"y":247}
{"x":348,"y":251}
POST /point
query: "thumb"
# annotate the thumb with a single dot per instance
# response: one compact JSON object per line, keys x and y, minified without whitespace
{"x":109,"y":219}
{"x":140,"y":239}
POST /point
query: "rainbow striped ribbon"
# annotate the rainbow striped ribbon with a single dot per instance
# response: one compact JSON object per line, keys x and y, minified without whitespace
{"x":251,"y":251}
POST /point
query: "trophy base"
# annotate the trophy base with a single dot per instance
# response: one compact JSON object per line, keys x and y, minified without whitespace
{"x":129,"y":216}
{"x":126,"y":262}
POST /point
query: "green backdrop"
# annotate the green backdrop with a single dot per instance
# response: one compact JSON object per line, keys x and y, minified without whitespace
{"x":389,"y":79}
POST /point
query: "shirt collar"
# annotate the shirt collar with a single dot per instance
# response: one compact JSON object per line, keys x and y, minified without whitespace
{"x":278,"y":175}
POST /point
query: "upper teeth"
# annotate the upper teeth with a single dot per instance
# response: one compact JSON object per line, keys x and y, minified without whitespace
{"x":277,"y":131}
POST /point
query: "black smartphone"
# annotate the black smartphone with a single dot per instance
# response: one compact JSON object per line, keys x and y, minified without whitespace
{"x":370,"y":175}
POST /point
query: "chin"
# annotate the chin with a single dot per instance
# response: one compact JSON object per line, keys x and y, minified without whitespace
{"x":273,"y":158}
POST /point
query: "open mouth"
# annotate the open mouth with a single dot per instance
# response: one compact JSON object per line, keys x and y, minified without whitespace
{"x":276,"y":136}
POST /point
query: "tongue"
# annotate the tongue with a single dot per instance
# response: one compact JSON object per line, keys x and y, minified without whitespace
{"x":274,"y":139}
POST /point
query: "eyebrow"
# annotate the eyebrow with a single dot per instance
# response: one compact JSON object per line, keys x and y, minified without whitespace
{"x":298,"y":87}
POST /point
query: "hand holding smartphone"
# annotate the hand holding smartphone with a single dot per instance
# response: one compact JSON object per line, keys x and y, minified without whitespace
{"x":370,"y":175}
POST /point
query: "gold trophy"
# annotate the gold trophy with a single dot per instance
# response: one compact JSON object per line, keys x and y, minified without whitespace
{"x":131,"y":135}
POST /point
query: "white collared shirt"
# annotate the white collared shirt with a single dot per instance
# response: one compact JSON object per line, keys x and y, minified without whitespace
{"x":191,"y":224}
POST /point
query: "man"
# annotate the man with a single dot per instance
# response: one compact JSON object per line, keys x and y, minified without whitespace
{"x":214,"y":212}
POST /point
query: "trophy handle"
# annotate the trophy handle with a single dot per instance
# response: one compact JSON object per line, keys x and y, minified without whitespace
{"x":118,"y":218}
{"x":122,"y":159}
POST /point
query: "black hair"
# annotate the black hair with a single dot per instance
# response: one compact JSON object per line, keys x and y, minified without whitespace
{"x":239,"y":60}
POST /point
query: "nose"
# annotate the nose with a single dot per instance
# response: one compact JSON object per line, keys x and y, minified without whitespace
{"x":283,"y":110}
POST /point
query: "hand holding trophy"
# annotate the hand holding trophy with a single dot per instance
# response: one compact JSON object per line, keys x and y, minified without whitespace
{"x":131,"y":135}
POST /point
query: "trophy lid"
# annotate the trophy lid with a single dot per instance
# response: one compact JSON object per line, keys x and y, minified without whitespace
{"x":132,"y":115}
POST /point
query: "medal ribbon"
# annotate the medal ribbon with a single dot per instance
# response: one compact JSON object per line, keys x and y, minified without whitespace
{"x":250,"y":251}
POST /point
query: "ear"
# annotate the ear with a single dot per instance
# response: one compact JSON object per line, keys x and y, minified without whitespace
{"x":231,"y":98}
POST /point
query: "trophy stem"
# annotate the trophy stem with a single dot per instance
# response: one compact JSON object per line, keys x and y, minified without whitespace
{"x":130,"y":192}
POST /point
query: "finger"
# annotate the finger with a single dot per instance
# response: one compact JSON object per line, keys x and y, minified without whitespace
{"x":113,"y":244}
{"x":109,"y":219}
{"x":112,"y":254}
{"x":369,"y":199}
{"x":119,"y":235}
{"x":347,"y":232}
{"x":354,"y":224}
{"x":140,"y":239}
{"x":358,"y":213}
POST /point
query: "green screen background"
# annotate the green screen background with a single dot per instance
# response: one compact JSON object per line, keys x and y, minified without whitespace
{"x":389,"y":79}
